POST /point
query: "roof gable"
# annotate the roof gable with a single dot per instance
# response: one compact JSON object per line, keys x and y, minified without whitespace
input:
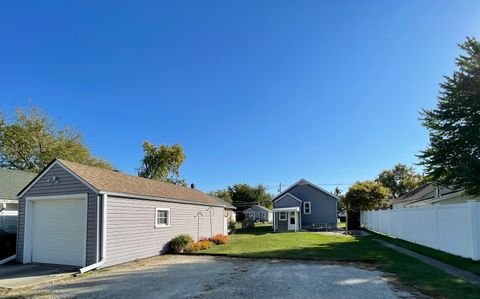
{"x":109,"y":181}
{"x":303,"y":182}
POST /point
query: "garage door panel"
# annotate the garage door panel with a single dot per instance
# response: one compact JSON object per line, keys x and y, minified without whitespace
{"x":58,"y":231}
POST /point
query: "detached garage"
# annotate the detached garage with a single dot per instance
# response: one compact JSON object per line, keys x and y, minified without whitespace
{"x":73,"y":214}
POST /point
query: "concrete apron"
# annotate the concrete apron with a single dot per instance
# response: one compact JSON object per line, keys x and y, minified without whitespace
{"x":20,"y":276}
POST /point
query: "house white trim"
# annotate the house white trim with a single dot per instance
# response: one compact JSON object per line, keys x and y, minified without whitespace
{"x":45,"y":171}
{"x":27,"y":238}
{"x":309,"y":207}
{"x":287,"y":194}
{"x":128,"y":195}
{"x":169,"y":218}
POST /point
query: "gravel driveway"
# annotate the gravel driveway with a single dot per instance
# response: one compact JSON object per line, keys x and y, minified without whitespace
{"x":173,"y":276}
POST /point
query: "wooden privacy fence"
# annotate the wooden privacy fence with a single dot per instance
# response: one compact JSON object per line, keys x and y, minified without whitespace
{"x":453,"y":228}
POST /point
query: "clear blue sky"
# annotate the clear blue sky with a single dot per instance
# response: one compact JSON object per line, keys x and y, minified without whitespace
{"x":255,"y":91}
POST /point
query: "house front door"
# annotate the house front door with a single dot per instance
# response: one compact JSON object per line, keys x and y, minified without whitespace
{"x":292,"y":221}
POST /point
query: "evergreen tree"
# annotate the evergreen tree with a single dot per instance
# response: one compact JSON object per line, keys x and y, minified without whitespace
{"x":453,"y":156}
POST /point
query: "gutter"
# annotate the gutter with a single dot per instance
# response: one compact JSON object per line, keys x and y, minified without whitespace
{"x":155,"y":198}
{"x":104,"y":238}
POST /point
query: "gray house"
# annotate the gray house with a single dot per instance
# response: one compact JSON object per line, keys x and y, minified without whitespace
{"x":258,"y":213}
{"x":302,"y":206}
{"x":73,"y":214}
{"x":430,"y":194}
{"x":11,"y":182}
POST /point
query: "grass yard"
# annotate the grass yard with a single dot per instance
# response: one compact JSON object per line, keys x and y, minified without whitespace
{"x":261,"y":243}
{"x":454,"y":260}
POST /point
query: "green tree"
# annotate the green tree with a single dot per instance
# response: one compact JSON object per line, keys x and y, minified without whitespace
{"x":29,"y":140}
{"x":453,"y":155}
{"x":400,"y":179}
{"x":223,"y":194}
{"x":162,"y":163}
{"x":364,"y":196}
{"x":367,"y":195}
{"x":244,"y":193}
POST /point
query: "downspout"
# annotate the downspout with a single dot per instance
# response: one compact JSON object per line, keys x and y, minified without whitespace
{"x":8,"y":259}
{"x":104,"y":238}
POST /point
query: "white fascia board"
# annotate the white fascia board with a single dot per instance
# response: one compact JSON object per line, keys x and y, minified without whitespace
{"x":287,"y":194}
{"x":309,"y":183}
{"x":44,"y":172}
{"x":127,"y":195}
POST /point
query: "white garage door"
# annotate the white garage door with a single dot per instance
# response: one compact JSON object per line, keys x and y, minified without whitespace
{"x":58,"y":232}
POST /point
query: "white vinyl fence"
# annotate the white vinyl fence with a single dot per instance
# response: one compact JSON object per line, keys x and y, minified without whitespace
{"x":453,"y":228}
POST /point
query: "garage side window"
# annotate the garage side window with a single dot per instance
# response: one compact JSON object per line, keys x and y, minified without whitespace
{"x":282,"y":216}
{"x":162,"y":217}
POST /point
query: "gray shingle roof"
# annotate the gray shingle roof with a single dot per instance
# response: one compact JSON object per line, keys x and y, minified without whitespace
{"x":258,"y":208}
{"x":12,"y":181}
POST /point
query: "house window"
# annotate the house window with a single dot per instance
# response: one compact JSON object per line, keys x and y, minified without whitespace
{"x":162,"y":217}
{"x":307,"y":207}
{"x":282,"y":216}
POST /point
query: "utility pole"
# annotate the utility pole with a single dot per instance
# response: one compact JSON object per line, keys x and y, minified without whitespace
{"x":280,"y":188}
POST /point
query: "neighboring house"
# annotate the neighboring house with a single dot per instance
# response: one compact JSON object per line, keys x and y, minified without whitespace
{"x":73,"y":214}
{"x":429,"y":194}
{"x":302,"y":206}
{"x":259,"y":213}
{"x":11,"y":182}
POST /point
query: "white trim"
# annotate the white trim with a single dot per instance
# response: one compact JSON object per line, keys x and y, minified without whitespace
{"x":127,"y":195}
{"x":27,"y":238}
{"x":306,"y":182}
{"x":309,"y":207}
{"x":169,"y":216}
{"x":9,"y":201}
{"x":280,"y":218}
{"x":294,"y":197}
{"x":296,"y":209}
{"x":56,"y":162}
{"x":104,"y":238}
{"x":295,"y":217}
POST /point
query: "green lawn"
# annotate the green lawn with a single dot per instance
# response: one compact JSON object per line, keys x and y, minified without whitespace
{"x":260,"y":242}
{"x":454,"y":260}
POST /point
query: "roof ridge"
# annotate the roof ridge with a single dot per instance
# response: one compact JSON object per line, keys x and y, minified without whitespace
{"x":130,"y":175}
{"x":170,"y":190}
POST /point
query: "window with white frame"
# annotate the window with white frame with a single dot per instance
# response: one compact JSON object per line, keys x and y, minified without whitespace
{"x":162,"y":217}
{"x":307,"y":207}
{"x":282,"y":216}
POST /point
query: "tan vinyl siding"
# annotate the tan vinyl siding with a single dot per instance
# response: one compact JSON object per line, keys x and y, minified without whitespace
{"x":68,"y":184}
{"x":131,"y":232}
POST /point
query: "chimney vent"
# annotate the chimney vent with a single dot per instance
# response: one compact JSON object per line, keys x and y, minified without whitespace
{"x":192,"y":185}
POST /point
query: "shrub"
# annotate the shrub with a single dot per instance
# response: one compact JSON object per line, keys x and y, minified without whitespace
{"x":180,"y":243}
{"x":219,"y":239}
{"x":202,"y":245}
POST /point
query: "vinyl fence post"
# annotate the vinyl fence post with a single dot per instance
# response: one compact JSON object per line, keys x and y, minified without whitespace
{"x":437,"y":226}
{"x":472,"y":206}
